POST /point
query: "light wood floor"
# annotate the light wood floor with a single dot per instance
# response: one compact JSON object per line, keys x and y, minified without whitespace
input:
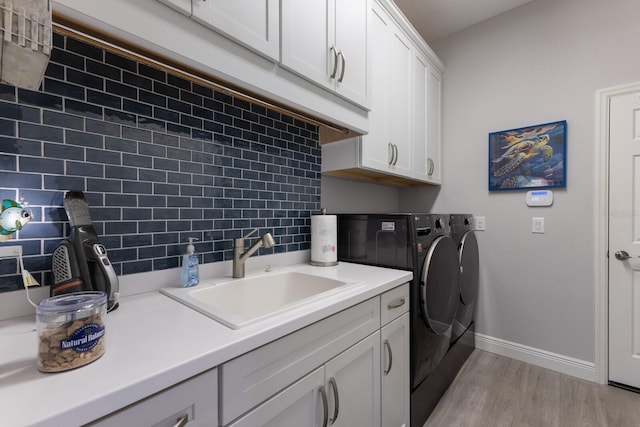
{"x":493,"y":390}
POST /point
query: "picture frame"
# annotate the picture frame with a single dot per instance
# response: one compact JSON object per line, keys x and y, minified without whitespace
{"x":528,"y":157}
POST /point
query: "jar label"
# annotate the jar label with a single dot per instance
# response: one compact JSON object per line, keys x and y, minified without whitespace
{"x":84,"y":338}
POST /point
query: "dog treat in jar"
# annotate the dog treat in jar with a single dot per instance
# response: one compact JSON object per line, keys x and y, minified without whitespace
{"x":70,"y":330}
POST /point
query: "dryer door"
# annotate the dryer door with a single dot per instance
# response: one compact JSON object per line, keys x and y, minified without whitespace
{"x":469,"y":267}
{"x":440,"y":285}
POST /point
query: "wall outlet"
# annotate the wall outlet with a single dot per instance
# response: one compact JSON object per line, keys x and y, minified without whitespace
{"x":537,"y":225}
{"x":481,"y":223}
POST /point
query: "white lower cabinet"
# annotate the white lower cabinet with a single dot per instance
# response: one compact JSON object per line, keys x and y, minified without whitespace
{"x":334,"y":372}
{"x":304,"y":403}
{"x":395,"y":373}
{"x":191,"y":403}
{"x":343,"y":392}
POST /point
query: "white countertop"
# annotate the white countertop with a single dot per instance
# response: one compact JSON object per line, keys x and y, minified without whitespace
{"x":152,"y":342}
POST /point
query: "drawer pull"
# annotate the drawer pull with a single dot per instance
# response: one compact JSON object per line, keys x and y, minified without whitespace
{"x":388,"y":347}
{"x":182,"y":421}
{"x":399,"y":302}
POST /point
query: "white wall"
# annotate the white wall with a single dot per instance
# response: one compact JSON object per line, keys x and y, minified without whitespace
{"x":538,"y":63}
{"x":347,"y":196}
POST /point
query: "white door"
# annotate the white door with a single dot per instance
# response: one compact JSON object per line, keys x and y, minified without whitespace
{"x":624,"y":238}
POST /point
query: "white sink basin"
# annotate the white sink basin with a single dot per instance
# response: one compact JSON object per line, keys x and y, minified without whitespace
{"x":239,"y":302}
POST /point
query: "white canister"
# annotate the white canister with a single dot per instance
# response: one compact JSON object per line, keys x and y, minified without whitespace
{"x":324,"y":240}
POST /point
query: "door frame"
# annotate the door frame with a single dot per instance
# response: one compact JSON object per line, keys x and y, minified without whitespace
{"x":601,"y":261}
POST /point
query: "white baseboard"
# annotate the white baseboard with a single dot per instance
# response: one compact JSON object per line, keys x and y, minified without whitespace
{"x":545,"y":359}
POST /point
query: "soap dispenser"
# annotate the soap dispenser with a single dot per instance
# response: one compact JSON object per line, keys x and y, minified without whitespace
{"x":190,"y":275}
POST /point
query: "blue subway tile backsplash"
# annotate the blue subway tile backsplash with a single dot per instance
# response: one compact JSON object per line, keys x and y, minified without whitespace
{"x":160,"y":159}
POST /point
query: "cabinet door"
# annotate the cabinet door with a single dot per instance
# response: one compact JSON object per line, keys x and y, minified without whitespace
{"x":301,"y":404}
{"x":400,"y":54}
{"x":308,"y":29}
{"x":395,"y":373}
{"x":434,"y":124}
{"x":253,"y":23}
{"x":351,"y":40}
{"x":387,"y":146}
{"x":419,"y":128}
{"x":352,"y":380}
{"x":375,"y":148}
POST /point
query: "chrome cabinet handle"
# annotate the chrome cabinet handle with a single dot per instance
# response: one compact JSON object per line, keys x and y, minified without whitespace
{"x":333,"y":50}
{"x":388,"y":347}
{"x":325,"y":407}
{"x":182,"y":421}
{"x":391,"y":154}
{"x":431,"y":167}
{"x":398,"y":302}
{"x":336,"y":399}
{"x":395,"y":150}
{"x":344,"y":66}
{"x":335,"y":61}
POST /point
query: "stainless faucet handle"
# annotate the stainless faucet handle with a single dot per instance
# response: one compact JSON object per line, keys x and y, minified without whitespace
{"x":239,"y":242}
{"x":252,"y":232}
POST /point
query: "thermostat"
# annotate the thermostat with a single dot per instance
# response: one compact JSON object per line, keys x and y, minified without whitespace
{"x":539,"y":198}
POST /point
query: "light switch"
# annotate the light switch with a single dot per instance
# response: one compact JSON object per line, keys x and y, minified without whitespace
{"x":481,"y":223}
{"x":537,"y":225}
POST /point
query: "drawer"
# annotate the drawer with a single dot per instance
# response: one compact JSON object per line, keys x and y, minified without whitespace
{"x":254,"y":377}
{"x":394,"y":303}
{"x":192,"y":402}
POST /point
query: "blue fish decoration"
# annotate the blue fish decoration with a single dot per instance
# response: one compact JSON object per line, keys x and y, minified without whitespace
{"x":12,"y":218}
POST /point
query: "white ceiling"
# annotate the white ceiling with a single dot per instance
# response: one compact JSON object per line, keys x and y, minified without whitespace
{"x":435,"y":19}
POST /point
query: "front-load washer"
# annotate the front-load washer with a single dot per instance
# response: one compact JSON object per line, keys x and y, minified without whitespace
{"x":422,"y":244}
{"x":463,"y":235}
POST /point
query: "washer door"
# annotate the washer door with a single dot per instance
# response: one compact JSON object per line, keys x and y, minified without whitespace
{"x":440,"y":285}
{"x":469,"y":263}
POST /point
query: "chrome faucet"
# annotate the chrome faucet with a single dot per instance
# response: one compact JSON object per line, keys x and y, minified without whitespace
{"x":240,"y":256}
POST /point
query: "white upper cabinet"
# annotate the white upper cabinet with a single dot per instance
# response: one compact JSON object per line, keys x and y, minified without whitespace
{"x":325,"y":41}
{"x":387,"y":147}
{"x":426,"y":138}
{"x":403,"y":146}
{"x":252,"y":23}
{"x":434,"y":125}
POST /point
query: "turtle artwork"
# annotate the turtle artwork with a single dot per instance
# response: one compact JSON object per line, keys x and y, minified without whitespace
{"x":527,"y":157}
{"x":13,"y":216}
